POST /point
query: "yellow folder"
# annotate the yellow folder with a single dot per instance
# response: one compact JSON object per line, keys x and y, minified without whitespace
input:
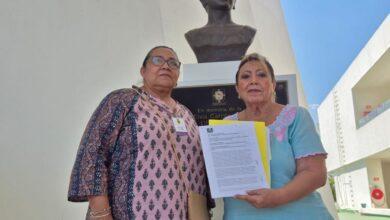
{"x":261,"y":134}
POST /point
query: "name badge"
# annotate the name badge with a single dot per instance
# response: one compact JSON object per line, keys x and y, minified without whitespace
{"x":180,"y":125}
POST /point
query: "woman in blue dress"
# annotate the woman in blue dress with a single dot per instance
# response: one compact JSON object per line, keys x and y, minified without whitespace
{"x":298,"y":157}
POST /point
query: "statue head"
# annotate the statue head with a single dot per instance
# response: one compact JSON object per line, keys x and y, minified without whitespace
{"x":218,"y":4}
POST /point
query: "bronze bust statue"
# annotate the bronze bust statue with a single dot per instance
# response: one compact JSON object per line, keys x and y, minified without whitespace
{"x":220,"y":39}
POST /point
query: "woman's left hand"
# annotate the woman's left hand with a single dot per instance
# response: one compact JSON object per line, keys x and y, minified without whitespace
{"x":262,"y":198}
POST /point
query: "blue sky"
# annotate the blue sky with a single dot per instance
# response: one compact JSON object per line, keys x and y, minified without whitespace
{"x":327,"y":35}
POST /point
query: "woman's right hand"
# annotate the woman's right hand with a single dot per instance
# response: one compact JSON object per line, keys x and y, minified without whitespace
{"x":262,"y":198}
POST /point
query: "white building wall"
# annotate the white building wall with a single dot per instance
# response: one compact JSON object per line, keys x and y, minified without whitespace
{"x":372,"y":137}
{"x":352,"y":185}
{"x":376,"y":180}
{"x":370,"y":95}
{"x":386,"y":179}
{"x":360,"y":189}
{"x":352,"y":189}
{"x":343,"y":189}
{"x":58,"y":59}
{"x":327,"y":114}
{"x":339,"y":189}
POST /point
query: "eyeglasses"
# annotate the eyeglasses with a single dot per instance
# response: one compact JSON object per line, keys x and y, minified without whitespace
{"x":159,"y":61}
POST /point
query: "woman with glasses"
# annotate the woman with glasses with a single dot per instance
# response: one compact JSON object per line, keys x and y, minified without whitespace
{"x":140,"y":154}
{"x":297,"y":155}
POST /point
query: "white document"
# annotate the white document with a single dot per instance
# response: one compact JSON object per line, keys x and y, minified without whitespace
{"x":232,"y":158}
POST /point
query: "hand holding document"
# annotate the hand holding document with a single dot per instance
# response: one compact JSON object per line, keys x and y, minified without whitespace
{"x":233,"y":159}
{"x":262,"y":136}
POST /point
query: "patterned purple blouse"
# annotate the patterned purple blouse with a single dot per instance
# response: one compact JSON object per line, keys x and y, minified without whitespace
{"x":126,"y":153}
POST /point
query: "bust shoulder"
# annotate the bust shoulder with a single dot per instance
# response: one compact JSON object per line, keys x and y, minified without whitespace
{"x":215,"y":43}
{"x":220,"y":35}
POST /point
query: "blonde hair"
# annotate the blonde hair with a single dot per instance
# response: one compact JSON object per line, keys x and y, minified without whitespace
{"x":259,"y":58}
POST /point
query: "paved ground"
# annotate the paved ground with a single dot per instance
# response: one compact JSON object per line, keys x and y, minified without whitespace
{"x":348,"y":215}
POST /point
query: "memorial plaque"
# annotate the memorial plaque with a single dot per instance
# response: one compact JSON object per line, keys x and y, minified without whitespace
{"x":281,"y":90}
{"x":216,"y":102}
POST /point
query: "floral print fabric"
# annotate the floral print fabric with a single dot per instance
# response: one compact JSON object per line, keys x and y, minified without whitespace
{"x":127,"y":153}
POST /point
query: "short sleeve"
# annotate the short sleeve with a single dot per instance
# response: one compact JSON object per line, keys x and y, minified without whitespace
{"x":303,"y":136}
{"x":89,"y":174}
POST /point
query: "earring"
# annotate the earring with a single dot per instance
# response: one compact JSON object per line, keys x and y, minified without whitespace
{"x":274,"y":96}
{"x":238,"y":97}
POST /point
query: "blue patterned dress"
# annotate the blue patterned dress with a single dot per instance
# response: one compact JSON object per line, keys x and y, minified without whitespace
{"x":293,"y":136}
